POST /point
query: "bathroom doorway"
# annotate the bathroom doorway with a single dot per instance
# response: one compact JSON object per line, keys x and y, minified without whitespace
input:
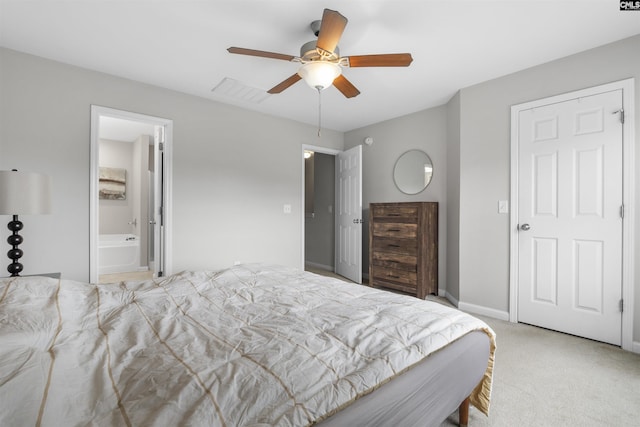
{"x":130,"y":196}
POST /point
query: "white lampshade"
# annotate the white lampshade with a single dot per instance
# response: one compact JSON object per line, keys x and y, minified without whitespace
{"x":319,"y":74}
{"x":24,"y":193}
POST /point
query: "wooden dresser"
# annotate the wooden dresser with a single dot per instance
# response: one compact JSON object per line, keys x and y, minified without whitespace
{"x":403,"y":247}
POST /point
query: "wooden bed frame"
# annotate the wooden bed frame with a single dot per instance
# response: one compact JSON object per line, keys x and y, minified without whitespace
{"x":463,"y":412}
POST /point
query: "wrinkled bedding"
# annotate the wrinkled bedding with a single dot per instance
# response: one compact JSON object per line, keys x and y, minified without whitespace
{"x":252,"y":345}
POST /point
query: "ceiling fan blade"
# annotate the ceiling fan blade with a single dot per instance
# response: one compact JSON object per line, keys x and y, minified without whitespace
{"x":384,"y":60}
{"x":261,"y":53}
{"x":285,"y":84}
{"x":343,"y":85}
{"x":331,"y":29}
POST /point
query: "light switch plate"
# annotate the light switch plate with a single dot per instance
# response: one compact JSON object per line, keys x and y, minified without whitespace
{"x":503,"y":206}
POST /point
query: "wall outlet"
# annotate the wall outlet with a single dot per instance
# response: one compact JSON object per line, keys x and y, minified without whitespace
{"x":503,"y":206}
{"x":287,"y":209}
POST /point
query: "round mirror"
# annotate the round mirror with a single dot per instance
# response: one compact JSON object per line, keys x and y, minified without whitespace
{"x":412,"y":172}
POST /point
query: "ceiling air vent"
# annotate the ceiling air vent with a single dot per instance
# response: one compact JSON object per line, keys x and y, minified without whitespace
{"x":237,"y":90}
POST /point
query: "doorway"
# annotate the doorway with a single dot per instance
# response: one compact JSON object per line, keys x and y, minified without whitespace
{"x":319,"y":216}
{"x":571,"y":245}
{"x":130,"y":196}
{"x":332,"y":227}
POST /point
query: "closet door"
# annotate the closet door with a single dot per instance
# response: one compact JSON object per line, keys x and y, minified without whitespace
{"x":570,"y":222}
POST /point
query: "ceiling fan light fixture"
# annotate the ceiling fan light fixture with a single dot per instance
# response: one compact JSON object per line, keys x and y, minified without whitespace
{"x":319,"y":74}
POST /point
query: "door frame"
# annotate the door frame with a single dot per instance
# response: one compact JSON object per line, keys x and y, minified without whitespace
{"x":316,"y":149}
{"x":628,"y":166}
{"x":94,"y":220}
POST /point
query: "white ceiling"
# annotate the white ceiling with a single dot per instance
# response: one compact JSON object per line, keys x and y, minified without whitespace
{"x":181,"y":45}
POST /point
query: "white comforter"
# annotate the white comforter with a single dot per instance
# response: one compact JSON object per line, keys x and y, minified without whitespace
{"x":246,"y":346}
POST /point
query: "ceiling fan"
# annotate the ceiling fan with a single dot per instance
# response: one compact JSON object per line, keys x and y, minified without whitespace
{"x":321,"y":60}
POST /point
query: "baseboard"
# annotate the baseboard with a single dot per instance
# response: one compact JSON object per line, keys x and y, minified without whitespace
{"x":453,"y":300}
{"x":483,"y":311}
{"x":498,"y":314}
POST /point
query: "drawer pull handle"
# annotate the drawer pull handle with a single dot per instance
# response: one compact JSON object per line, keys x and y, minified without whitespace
{"x":394,"y":229}
{"x":391,"y":245}
{"x":393,"y":277}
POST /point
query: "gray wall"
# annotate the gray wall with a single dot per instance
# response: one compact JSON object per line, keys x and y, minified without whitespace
{"x":469,"y":141}
{"x":425,"y":130}
{"x":485,"y":158}
{"x":233,"y":169}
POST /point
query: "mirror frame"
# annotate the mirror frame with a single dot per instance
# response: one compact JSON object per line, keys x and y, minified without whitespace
{"x":402,"y":186}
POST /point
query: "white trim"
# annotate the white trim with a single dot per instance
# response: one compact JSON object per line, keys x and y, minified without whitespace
{"x":628,"y":198}
{"x":483,"y":311}
{"x":93,"y":196}
{"x":316,"y":149}
{"x":168,"y":195}
{"x":635,"y":347}
{"x":628,"y":184}
{"x":513,"y":218}
{"x":453,"y":300}
{"x":96,"y":112}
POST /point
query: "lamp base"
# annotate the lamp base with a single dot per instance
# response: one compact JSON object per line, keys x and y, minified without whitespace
{"x":14,"y":253}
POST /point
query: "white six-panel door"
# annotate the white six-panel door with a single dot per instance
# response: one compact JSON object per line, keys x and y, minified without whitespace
{"x":570,"y":224}
{"x":349,"y":214}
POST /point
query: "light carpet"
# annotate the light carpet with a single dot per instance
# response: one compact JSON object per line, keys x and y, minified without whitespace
{"x":546,"y":378}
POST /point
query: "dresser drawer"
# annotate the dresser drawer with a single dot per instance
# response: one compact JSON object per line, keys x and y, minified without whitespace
{"x":390,"y":244}
{"x":383,"y":276}
{"x":393,"y":229}
{"x":395,"y":261}
{"x":406,"y":212}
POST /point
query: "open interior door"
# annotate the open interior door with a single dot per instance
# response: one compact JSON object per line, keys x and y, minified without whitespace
{"x":349,"y":214}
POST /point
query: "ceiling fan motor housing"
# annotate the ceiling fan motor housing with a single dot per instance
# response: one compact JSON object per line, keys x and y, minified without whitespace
{"x":309,"y":52}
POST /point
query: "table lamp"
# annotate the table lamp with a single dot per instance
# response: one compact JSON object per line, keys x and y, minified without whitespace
{"x":22,"y":193}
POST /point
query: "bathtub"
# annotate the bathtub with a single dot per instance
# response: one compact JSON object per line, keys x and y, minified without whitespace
{"x":118,"y":253}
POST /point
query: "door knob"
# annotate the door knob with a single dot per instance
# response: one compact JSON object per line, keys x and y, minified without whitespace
{"x":525,"y":227}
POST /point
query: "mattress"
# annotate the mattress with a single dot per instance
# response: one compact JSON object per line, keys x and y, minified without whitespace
{"x":252,"y":345}
{"x":426,"y":394}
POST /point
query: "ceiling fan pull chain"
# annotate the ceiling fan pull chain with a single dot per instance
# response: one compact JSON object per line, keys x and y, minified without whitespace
{"x":319,"y":110}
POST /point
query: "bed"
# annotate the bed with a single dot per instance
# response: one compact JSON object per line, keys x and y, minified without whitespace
{"x":251,"y":345}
